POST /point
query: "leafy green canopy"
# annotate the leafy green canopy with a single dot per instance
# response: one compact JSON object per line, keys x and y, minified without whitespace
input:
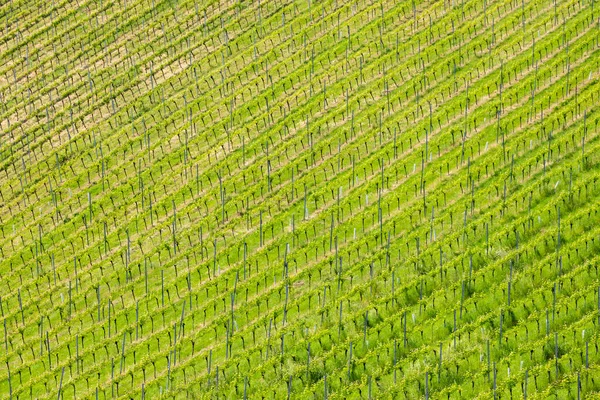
{"x":366,"y":199}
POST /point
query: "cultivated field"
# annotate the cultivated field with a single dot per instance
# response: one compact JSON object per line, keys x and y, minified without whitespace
{"x":307,"y":199}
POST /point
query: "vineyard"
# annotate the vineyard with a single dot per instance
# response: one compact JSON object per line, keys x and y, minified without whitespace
{"x":307,"y":199}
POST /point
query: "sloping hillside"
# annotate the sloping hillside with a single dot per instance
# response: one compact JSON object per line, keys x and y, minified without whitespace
{"x":272,"y":199}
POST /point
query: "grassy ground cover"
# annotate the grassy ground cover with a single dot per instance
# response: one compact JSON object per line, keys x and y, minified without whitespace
{"x":368,"y":199}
